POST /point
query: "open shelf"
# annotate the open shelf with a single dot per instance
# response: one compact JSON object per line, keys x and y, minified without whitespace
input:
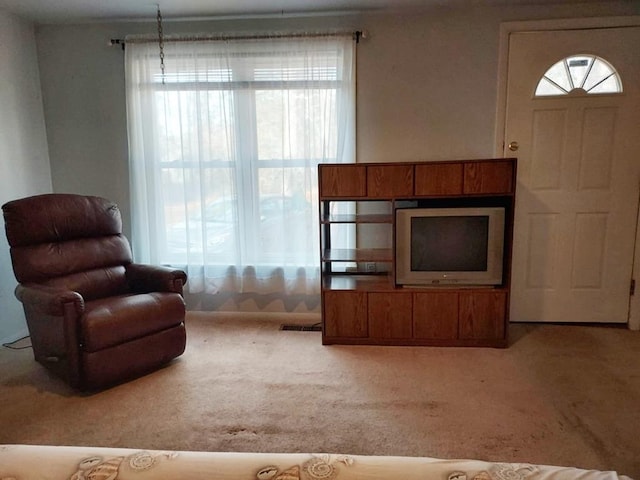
{"x":357,"y":255}
{"x":357,"y":218}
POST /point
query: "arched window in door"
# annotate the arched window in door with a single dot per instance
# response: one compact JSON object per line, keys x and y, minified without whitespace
{"x":579,"y":74}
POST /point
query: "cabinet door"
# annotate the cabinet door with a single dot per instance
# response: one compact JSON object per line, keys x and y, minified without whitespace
{"x":438,"y":179}
{"x":389,"y":315}
{"x":387,"y":181}
{"x":435,"y":315}
{"x":488,"y":177}
{"x":483,"y":315}
{"x":345,"y":313}
{"x":343,"y":180}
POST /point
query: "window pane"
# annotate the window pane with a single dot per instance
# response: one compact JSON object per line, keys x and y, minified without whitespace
{"x":610,"y":85}
{"x":297,"y":69}
{"x":195,"y":229}
{"x":191,"y":74}
{"x":210,"y":137}
{"x":287,"y":226}
{"x":545,"y":88}
{"x":599,"y":72}
{"x":218,"y":121}
{"x":579,"y":67}
{"x":558,"y":73}
{"x":296,"y":124}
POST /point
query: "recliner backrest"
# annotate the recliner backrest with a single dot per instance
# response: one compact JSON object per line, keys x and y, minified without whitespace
{"x":69,"y":241}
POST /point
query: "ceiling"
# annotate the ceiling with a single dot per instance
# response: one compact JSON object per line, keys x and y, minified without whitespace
{"x":66,"y":11}
{"x":80,"y":11}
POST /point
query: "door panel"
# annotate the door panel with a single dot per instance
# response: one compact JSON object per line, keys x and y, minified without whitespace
{"x":578,"y":177}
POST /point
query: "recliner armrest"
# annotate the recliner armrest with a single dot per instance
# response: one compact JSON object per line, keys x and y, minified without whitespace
{"x":49,"y":300}
{"x":153,"y":278}
{"x":52,"y":316}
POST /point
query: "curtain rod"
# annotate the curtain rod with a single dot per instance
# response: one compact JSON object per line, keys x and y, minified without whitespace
{"x":357,"y":35}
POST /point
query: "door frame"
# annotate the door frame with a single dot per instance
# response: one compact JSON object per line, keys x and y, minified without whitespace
{"x":506,"y":29}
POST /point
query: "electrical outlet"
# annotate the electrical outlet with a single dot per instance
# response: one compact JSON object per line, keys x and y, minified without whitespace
{"x":370,"y":266}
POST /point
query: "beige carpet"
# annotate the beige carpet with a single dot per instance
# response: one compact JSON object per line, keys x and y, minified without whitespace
{"x":559,"y":395}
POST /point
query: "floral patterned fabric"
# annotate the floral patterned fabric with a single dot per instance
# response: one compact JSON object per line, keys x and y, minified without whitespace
{"x":22,"y":462}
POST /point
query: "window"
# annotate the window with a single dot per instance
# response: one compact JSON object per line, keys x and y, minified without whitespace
{"x":224,"y":149}
{"x":579,"y":73}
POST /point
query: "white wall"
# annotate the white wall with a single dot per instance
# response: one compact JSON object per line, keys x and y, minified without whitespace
{"x":24,"y":161}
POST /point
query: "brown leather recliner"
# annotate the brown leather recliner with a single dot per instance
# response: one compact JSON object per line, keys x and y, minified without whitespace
{"x":95,"y":318}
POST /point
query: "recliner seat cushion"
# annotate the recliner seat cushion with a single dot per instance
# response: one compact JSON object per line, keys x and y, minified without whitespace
{"x":116,"y":320}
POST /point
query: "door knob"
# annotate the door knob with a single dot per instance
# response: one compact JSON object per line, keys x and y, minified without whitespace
{"x":513,"y":146}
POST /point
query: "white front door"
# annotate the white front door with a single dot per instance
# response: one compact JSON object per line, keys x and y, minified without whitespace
{"x":578,"y":175}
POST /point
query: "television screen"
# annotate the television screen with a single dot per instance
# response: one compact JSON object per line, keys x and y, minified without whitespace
{"x":449,"y":246}
{"x":453,"y":243}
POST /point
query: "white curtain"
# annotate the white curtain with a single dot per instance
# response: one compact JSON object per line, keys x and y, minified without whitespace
{"x":224,"y":147}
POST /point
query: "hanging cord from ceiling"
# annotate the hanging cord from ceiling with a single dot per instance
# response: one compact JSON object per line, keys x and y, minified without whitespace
{"x":160,"y":42}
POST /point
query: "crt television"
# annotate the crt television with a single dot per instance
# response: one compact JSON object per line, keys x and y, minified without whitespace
{"x":449,"y":246}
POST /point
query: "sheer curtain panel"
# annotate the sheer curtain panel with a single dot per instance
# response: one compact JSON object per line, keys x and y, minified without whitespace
{"x":224,"y":148}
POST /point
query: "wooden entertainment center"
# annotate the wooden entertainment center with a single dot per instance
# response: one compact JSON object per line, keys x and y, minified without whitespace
{"x":362,"y":304}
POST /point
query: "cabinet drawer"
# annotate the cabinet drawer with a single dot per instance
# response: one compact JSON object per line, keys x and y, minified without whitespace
{"x":435,"y":315}
{"x":438,"y":179}
{"x":482,"y":315}
{"x":387,"y":181}
{"x":488,"y":177}
{"x":389,"y":315}
{"x":342,"y":180}
{"x":345,"y":314}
